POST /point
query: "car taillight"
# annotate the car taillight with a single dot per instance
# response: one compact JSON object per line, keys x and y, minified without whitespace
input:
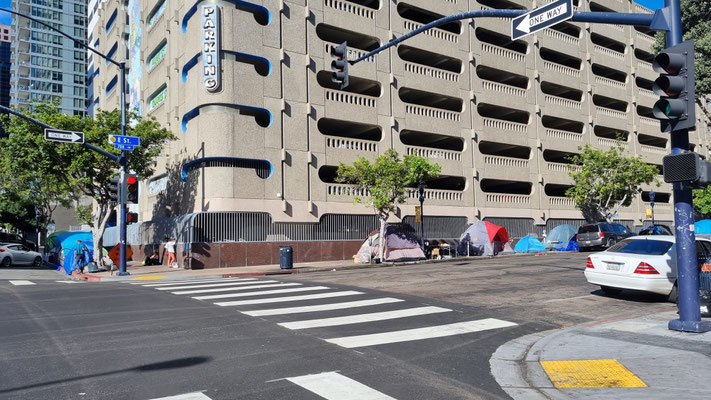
{"x":645,"y":269}
{"x":589,"y":264}
{"x":602,"y":234}
{"x":1,"y":250}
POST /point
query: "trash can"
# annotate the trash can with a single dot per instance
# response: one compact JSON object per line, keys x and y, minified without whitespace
{"x":286,"y":257}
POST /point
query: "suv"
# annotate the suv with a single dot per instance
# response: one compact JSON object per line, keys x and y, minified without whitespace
{"x":602,"y":234}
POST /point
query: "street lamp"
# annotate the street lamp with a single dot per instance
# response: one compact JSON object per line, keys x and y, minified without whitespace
{"x":122,"y":158}
{"x":421,"y":189}
{"x":651,"y":203}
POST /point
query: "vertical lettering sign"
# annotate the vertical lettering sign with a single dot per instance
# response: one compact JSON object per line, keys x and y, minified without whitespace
{"x":211,"y":48}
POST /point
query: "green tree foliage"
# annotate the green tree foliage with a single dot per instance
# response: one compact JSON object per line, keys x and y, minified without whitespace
{"x":696,"y":25}
{"x":64,"y":172}
{"x":385,"y":181}
{"x":607,"y":180}
{"x":16,"y":213}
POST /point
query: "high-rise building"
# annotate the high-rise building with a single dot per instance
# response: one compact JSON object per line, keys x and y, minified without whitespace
{"x":246,"y":87}
{"x":4,"y":69}
{"x":46,"y":66}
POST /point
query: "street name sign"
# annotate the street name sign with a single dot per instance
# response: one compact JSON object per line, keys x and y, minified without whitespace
{"x":56,"y":135}
{"x":119,"y":146}
{"x":541,"y":18}
{"x":132,"y":141}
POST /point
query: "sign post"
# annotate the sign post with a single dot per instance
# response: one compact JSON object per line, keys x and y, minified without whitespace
{"x":56,"y":135}
{"x":541,"y":18}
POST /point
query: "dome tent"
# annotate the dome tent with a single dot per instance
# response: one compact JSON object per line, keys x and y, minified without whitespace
{"x":529,"y":244}
{"x":400,"y":245}
{"x":560,"y":236}
{"x":483,"y":239}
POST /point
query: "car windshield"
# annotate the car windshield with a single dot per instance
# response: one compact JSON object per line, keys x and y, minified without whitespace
{"x":651,"y":247}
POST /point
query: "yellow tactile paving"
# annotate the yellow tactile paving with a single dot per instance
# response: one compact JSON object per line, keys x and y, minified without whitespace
{"x":147,"y":278}
{"x":590,"y":374}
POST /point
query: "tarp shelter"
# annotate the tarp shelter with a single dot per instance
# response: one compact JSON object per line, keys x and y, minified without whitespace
{"x":65,"y":247}
{"x":400,"y":245}
{"x":483,"y":239}
{"x":560,"y":236}
{"x":51,"y":240}
{"x":529,"y":244}
{"x":572,"y":245}
{"x":703,"y":226}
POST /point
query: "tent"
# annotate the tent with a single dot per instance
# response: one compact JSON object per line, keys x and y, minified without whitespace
{"x":483,"y":239}
{"x":529,"y":244}
{"x":65,"y":249}
{"x":560,"y":236}
{"x":572,"y":245}
{"x":703,"y":226}
{"x":51,"y":240}
{"x":400,"y":245}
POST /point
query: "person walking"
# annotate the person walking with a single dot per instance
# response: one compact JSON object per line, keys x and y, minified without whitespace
{"x":170,"y":249}
{"x":79,"y":251}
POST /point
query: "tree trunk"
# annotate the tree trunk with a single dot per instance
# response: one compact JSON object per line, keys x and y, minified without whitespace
{"x":100,"y":220}
{"x":381,"y":250}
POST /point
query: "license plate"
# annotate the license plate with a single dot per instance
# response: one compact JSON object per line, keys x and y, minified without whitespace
{"x":587,"y":242}
{"x":613,"y":267}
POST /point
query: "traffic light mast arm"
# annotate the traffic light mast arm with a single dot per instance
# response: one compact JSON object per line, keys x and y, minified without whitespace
{"x":578,"y":16}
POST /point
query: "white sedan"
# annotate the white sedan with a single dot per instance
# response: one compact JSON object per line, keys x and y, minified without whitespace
{"x":17,"y":254}
{"x":644,"y":263}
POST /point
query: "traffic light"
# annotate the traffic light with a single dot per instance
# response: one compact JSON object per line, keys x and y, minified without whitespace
{"x":339,"y":65}
{"x":132,"y":189}
{"x":675,"y":85}
{"x":113,"y":188}
{"x":689,"y":168}
{"x":131,"y":218}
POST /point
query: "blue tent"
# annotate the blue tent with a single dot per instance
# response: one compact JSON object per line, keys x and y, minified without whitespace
{"x":65,"y":245}
{"x":560,"y":236}
{"x":703,"y":226}
{"x":529,"y":244}
{"x":572,"y":245}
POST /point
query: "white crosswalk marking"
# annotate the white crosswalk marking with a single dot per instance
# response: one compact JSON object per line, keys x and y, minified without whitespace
{"x":321,"y":307}
{"x":261,"y":292}
{"x":334,"y":386}
{"x":189,"y":281}
{"x":420,"y":333}
{"x":233,"y":288}
{"x":360,"y":318}
{"x":186,"y":396}
{"x":288,"y":298}
{"x":210,"y":285}
{"x":22,"y":283}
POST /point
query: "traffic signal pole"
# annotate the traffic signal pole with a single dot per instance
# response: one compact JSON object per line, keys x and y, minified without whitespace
{"x":122,"y":178}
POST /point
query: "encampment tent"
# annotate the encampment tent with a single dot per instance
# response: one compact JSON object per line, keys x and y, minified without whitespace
{"x":529,"y":244}
{"x":703,"y":226}
{"x":560,"y":236}
{"x":65,"y":249}
{"x":483,"y":239}
{"x":400,"y":245}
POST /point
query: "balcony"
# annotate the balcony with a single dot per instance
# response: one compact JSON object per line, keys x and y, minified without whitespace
{"x":556,"y":202}
{"x":349,"y":150}
{"x":350,"y":15}
{"x":560,"y":68}
{"x":415,"y":17}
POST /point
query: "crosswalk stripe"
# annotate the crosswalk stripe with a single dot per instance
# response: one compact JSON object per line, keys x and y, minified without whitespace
{"x":321,"y":307}
{"x":429,"y":332}
{"x":360,"y":318}
{"x":288,"y":298}
{"x":22,"y":283}
{"x":261,"y":292}
{"x":233,"y":288}
{"x":208,"y":285}
{"x":191,"y":281}
{"x":186,"y":396}
{"x":334,"y":386}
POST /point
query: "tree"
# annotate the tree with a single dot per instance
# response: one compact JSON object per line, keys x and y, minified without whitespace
{"x":384,"y":182}
{"x":71,"y":169}
{"x":16,"y":213}
{"x":696,"y":24}
{"x":607,"y":180}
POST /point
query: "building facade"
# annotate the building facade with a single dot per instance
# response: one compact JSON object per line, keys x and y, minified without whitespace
{"x":46,"y":66}
{"x":246,"y":87}
{"x":5,"y":65}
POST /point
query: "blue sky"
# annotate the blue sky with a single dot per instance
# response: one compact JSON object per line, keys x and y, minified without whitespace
{"x":651,"y":4}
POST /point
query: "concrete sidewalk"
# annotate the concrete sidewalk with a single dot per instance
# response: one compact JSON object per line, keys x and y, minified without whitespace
{"x":635,"y":358}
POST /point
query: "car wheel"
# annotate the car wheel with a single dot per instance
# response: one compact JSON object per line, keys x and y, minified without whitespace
{"x":611,"y":243}
{"x":37,"y":262}
{"x":610,"y":290}
{"x":6,"y":262}
{"x":674,"y":294}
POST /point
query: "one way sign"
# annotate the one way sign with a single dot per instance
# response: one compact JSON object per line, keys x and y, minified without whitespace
{"x":55,"y":135}
{"x":541,"y":18}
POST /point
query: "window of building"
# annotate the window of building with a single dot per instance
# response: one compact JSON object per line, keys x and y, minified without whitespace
{"x":157,"y":55}
{"x":111,"y":21}
{"x":158,"y":97}
{"x":112,"y":85}
{"x":112,"y":52}
{"x":156,"y":13}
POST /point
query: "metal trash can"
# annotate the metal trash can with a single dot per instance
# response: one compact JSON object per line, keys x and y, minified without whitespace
{"x":286,"y":257}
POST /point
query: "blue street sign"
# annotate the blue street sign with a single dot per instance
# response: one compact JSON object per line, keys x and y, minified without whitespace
{"x":123,"y":146}
{"x":541,"y":18}
{"x":132,"y":141}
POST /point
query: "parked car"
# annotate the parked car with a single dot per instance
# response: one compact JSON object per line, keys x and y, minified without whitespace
{"x":18,"y":254}
{"x":7,"y":237}
{"x":603,"y":234}
{"x":642,"y":263}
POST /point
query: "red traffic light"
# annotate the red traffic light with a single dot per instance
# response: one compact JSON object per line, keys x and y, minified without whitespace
{"x":131,"y":180}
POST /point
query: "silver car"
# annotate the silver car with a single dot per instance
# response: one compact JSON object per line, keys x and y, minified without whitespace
{"x":17,"y":254}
